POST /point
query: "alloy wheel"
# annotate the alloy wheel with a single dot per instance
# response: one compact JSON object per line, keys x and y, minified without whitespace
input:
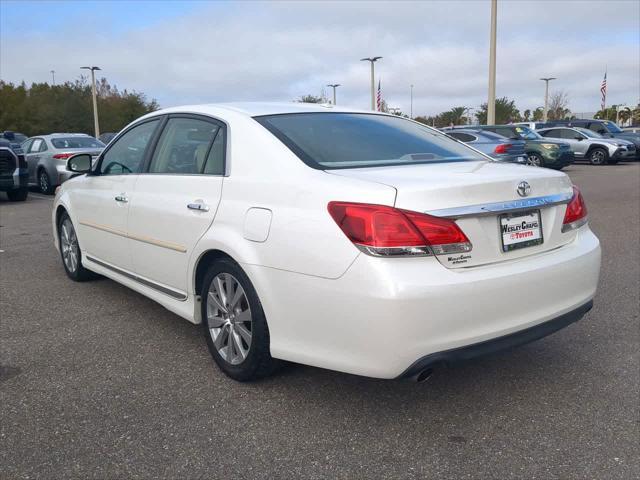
{"x":69,"y":245}
{"x":598,"y":157}
{"x":229,"y":318}
{"x":44,"y":182}
{"x":534,"y":160}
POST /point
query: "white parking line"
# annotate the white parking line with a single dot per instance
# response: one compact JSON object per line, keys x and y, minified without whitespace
{"x":39,"y":196}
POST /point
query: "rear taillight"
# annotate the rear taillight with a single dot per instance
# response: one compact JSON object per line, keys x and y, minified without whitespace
{"x":386,"y":231}
{"x":503,"y":148}
{"x":62,"y":156}
{"x":576,"y":214}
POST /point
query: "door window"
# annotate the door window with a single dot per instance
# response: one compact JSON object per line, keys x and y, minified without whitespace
{"x":598,"y":128}
{"x":188,"y":146}
{"x":36,"y":145}
{"x":463,"y":137}
{"x":555,"y":133}
{"x":569,"y":134}
{"x":126,"y":155}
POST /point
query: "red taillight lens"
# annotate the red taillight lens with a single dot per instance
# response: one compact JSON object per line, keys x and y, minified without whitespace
{"x":385,"y":231}
{"x":502,"y":148}
{"x":576,"y":214}
{"x":62,"y":156}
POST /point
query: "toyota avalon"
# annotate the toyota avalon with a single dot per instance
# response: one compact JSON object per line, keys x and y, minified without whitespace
{"x":355,"y":241}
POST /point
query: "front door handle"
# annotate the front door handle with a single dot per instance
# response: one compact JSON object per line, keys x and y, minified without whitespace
{"x":198,"y":206}
{"x":121,"y":198}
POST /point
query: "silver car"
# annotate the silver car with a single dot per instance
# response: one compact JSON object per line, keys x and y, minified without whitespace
{"x":47,"y":157}
{"x":594,"y":147}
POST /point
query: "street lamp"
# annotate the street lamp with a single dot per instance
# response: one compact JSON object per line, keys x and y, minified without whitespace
{"x":53,"y":77}
{"x":373,"y":82}
{"x":93,"y":94}
{"x":491,"y":102}
{"x":411,"y":108}
{"x":334,"y":86}
{"x":546,"y":97}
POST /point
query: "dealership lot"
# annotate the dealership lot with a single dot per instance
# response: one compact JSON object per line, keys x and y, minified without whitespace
{"x":100,"y":382}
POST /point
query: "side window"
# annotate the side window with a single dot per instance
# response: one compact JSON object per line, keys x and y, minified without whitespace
{"x":215,"y":159}
{"x":185,"y":147}
{"x":127,"y":154}
{"x":598,"y":127}
{"x":555,"y":133}
{"x":463,"y":137}
{"x":36,"y":145}
{"x":569,"y":134}
{"x":27,"y":145}
{"x":43,"y":146}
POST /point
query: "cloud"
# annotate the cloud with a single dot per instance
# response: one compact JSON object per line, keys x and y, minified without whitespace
{"x":279,"y":51}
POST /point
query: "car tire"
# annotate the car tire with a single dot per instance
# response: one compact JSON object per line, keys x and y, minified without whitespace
{"x":598,"y":156}
{"x":44,"y":182}
{"x":70,"y":251}
{"x":535,"y":160}
{"x":235,"y":328}
{"x":18,"y":195}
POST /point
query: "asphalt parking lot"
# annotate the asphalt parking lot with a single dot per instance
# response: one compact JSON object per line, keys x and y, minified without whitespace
{"x":97,"y":381}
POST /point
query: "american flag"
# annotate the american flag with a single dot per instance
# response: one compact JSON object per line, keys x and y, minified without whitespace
{"x":379,"y":98}
{"x":603,"y":91}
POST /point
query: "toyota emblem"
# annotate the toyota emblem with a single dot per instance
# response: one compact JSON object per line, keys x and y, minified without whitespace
{"x":524,"y":189}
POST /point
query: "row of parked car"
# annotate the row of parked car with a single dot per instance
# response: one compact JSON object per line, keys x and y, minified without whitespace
{"x":40,"y":161}
{"x":552,"y":144}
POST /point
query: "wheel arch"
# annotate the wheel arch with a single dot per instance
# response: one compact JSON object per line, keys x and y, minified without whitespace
{"x":592,"y":147}
{"x":202,"y":265}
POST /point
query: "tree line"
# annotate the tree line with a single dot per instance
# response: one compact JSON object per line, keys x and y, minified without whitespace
{"x":43,"y":108}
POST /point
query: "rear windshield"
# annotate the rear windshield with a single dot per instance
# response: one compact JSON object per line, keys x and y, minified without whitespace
{"x":76,"y":142}
{"x":354,"y":140}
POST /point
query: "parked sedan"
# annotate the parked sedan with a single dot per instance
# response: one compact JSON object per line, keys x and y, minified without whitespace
{"x":494,"y":145}
{"x":593,"y":146}
{"x":355,"y":241}
{"x":47,"y":156}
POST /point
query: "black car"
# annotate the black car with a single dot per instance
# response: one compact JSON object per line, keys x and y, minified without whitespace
{"x":605,"y":128}
{"x":14,"y":173}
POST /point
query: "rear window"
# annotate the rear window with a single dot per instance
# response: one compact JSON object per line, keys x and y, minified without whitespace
{"x":354,"y":140}
{"x":76,"y":142}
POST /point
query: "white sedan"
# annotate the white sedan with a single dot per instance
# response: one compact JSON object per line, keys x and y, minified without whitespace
{"x":355,"y":241}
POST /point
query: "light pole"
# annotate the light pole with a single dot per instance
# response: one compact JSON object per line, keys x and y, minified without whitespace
{"x":491,"y":102}
{"x":373,"y":81}
{"x":93,"y":94}
{"x":53,"y":77}
{"x":334,"y":86}
{"x":546,"y":97}
{"x":411,"y":108}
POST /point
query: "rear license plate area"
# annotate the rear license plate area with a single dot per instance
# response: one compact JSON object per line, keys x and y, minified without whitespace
{"x":520,"y":230}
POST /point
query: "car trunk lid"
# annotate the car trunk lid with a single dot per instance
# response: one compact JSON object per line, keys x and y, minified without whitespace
{"x":477,"y":195}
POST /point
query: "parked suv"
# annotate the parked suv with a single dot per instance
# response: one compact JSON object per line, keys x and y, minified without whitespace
{"x":605,"y":128}
{"x":541,"y":152}
{"x":591,"y":145}
{"x":47,"y":156}
{"x":13,"y":172}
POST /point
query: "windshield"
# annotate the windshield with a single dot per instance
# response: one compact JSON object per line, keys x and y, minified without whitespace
{"x":612,"y":127}
{"x":589,"y":133}
{"x":76,"y":142}
{"x":353,"y":140}
{"x":526,"y":133}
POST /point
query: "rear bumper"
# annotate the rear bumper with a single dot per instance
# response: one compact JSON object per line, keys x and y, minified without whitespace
{"x":384,"y":315}
{"x":522,"y":337}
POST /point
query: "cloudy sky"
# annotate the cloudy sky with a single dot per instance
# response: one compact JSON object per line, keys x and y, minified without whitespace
{"x":205,"y":51}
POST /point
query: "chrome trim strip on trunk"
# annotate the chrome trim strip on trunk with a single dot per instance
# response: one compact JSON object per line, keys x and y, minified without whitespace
{"x":502,"y":207}
{"x":147,"y":283}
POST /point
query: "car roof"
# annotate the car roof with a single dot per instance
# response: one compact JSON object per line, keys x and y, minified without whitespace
{"x":256,"y":109}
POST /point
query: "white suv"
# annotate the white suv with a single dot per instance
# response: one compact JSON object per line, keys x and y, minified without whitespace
{"x":355,"y":241}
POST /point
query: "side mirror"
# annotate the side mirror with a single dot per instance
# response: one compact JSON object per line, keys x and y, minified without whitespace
{"x":80,"y":163}
{"x":578,"y":137}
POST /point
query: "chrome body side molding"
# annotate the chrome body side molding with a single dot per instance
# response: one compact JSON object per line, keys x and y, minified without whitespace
{"x":147,"y":283}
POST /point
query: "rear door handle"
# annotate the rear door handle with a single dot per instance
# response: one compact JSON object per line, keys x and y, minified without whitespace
{"x":121,"y":198}
{"x":198,"y":206}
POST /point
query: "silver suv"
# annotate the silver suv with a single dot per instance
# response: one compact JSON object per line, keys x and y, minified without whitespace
{"x":591,"y":145}
{"x":47,"y":157}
